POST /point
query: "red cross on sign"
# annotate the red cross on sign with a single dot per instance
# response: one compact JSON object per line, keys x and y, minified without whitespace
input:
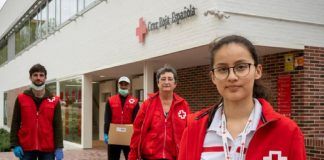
{"x":141,"y":30}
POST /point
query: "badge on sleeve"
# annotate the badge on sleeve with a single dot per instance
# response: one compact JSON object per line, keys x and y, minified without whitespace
{"x":272,"y":155}
{"x":182,"y":114}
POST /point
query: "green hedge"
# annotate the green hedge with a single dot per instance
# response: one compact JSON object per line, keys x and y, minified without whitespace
{"x":4,"y":141}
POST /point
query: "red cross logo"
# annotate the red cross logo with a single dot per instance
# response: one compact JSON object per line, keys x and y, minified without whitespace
{"x":131,"y":101}
{"x":182,"y":114}
{"x":51,"y":100}
{"x":275,"y":155}
{"x":141,"y":30}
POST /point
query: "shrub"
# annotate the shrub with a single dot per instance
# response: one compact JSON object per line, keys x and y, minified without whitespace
{"x":4,"y":140}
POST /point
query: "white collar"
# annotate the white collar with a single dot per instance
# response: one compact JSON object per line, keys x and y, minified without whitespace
{"x":256,"y":113}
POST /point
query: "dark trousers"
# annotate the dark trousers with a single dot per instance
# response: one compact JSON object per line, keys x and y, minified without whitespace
{"x":34,"y":155}
{"x":114,"y":151}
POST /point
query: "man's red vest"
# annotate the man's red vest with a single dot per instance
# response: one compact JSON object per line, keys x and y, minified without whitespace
{"x":36,"y":131}
{"x":122,"y":115}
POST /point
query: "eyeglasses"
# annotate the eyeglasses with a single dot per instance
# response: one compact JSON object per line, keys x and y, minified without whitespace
{"x":240,"y":70}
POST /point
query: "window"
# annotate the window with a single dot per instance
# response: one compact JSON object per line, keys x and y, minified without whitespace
{"x":68,"y":9}
{"x":81,"y":5}
{"x":70,"y":93}
{"x":41,"y":20}
{"x":139,"y":93}
{"x":5,"y":110}
{"x":51,"y":87}
{"x":87,"y":2}
{"x":9,"y":103}
{"x":51,"y":16}
{"x":34,"y":20}
{"x":3,"y":51}
{"x":44,"y":20}
{"x":22,"y":37}
{"x":58,"y":12}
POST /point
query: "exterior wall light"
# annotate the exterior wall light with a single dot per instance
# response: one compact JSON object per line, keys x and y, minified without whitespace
{"x":217,"y":13}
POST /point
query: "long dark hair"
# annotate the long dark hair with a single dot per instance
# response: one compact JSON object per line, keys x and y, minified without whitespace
{"x":259,"y":91}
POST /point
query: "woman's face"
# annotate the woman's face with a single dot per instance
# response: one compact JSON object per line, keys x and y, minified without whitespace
{"x":166,"y":82}
{"x":239,"y":85}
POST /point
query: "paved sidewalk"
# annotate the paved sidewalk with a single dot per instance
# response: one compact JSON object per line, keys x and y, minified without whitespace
{"x":99,"y":153}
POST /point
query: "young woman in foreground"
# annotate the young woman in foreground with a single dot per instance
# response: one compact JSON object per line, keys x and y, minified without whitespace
{"x":243,"y":119}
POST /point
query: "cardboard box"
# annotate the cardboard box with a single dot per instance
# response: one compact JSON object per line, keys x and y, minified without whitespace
{"x":120,"y":134}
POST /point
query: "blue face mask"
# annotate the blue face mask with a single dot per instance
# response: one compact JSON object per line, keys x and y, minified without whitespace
{"x":123,"y":92}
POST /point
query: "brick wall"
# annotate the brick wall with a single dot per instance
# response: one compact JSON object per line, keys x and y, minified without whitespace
{"x":273,"y":66}
{"x":307,"y":95}
{"x":196,"y":87}
{"x":313,"y":102}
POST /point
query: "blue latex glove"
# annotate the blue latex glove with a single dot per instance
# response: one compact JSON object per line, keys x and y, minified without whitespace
{"x":106,"y":138}
{"x":18,"y":152}
{"x":59,"y":154}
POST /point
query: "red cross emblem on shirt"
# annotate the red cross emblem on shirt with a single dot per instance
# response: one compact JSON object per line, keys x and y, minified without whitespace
{"x":131,"y":101}
{"x":51,"y":100}
{"x":141,"y":30}
{"x":275,"y":155}
{"x":182,"y":114}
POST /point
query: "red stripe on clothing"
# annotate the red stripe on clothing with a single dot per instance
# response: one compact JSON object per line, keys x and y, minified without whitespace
{"x":214,"y":149}
{"x":238,"y":150}
{"x":221,"y":149}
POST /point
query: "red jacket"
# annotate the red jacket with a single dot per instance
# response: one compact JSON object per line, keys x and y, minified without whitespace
{"x":36,"y":131}
{"x":158,"y":137}
{"x":122,"y":115}
{"x":274,"y":133}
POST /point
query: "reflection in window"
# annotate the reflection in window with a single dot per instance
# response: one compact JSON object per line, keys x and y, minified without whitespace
{"x":39,"y":25}
{"x":81,"y":5}
{"x":44,"y":21}
{"x":58,"y":12}
{"x":3,"y":51}
{"x":51,"y":16}
{"x":34,"y":20}
{"x":68,"y":9}
{"x":10,"y":97}
{"x":87,"y":2}
{"x":22,"y":37}
{"x":52,"y":88}
{"x":5,"y":112}
{"x":70,"y":93}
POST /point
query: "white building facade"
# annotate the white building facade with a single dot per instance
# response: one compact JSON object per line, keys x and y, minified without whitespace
{"x":86,"y":45}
